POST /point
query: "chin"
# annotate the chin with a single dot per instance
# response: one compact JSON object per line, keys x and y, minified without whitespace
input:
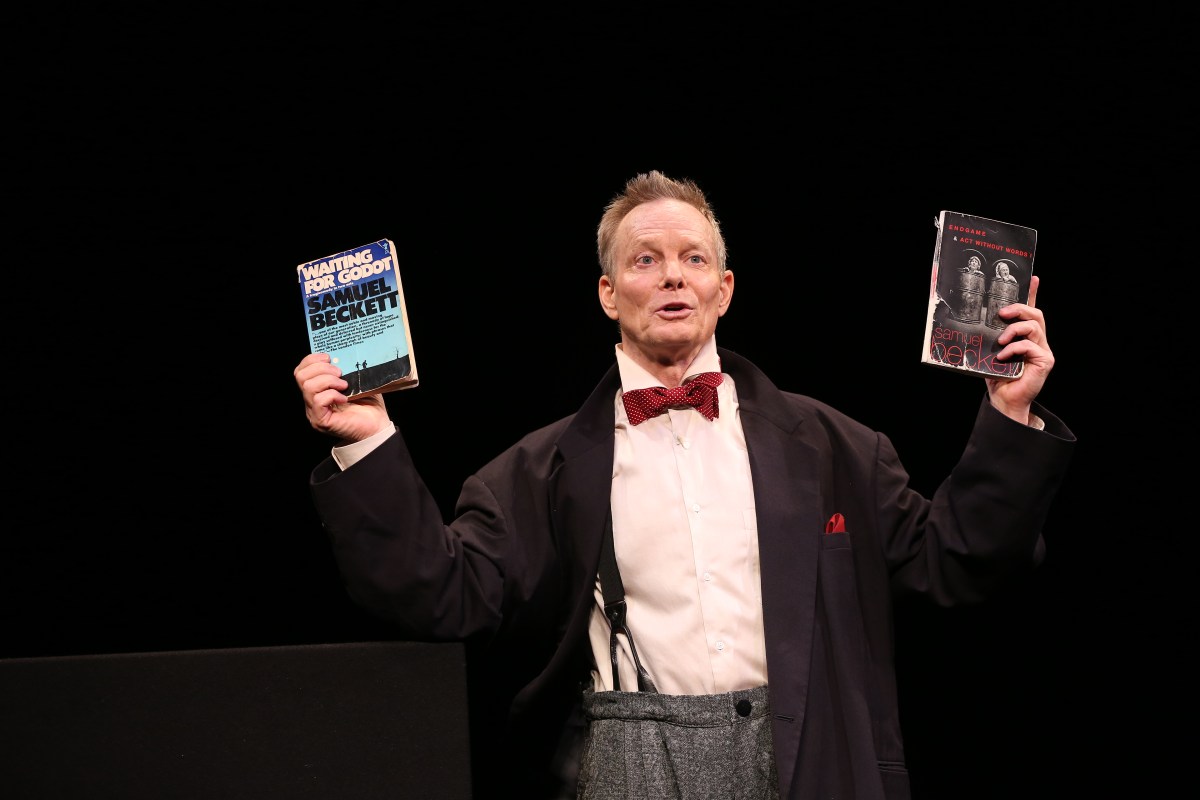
{"x":674,"y":344}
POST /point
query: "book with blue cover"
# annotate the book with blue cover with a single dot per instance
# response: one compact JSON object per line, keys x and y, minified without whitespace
{"x":354,"y":310}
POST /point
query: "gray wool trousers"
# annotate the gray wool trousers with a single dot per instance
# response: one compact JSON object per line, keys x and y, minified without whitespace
{"x":678,"y":747}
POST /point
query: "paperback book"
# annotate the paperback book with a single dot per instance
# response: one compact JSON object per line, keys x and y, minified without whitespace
{"x":354,"y":310}
{"x":980,"y":265}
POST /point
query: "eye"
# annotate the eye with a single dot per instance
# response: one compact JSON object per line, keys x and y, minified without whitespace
{"x":644,"y":261}
{"x":696,"y":260}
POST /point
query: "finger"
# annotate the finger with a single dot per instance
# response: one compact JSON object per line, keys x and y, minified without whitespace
{"x":318,"y":371}
{"x":322,"y":392}
{"x":329,"y":398}
{"x":1034,"y":280}
{"x":1016,"y":329}
{"x":313,"y":358}
{"x":307,"y":370}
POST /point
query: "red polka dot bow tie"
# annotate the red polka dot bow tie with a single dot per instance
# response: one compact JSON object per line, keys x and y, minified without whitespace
{"x":699,"y":392}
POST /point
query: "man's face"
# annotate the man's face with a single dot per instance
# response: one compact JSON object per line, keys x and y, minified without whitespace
{"x":668,"y":291}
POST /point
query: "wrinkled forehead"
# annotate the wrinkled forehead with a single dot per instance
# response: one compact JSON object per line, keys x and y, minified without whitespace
{"x":665,"y":220}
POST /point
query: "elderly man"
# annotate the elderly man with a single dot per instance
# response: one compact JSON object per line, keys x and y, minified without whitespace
{"x":695,"y":571}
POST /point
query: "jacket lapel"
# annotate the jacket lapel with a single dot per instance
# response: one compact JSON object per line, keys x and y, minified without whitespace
{"x":787,"y":500}
{"x":580,"y":493}
{"x":579,"y":490}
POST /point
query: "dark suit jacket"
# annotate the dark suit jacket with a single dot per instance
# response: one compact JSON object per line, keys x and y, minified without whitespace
{"x":513,"y":572}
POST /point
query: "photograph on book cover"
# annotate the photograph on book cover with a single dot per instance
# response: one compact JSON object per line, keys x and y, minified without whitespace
{"x":354,"y":309}
{"x":980,"y":266}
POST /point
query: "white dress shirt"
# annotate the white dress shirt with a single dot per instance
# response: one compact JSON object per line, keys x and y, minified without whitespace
{"x":686,"y":541}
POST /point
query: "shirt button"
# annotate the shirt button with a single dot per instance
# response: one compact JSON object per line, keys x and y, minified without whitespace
{"x":696,"y":507}
{"x":708,"y":576}
{"x":720,"y":645}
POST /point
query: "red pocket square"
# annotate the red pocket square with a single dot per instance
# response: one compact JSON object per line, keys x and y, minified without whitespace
{"x":836,"y":524}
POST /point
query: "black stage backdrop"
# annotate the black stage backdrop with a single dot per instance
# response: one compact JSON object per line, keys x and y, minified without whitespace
{"x":175,"y":166}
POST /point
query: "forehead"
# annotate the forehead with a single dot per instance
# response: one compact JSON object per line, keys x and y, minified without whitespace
{"x":663,"y":220}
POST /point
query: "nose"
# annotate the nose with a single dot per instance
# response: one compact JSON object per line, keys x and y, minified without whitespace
{"x":672,"y":273}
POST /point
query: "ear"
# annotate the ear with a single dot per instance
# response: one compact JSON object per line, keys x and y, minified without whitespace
{"x":608,"y":298}
{"x":726,"y":292}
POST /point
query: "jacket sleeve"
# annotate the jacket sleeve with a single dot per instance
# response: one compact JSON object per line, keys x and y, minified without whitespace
{"x":398,"y":557}
{"x":984,"y":522}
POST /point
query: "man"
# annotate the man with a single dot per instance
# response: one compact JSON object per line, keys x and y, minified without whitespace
{"x":1004,"y":273}
{"x":719,"y":572}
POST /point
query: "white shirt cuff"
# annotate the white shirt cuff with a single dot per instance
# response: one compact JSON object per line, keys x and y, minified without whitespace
{"x":349,"y":454}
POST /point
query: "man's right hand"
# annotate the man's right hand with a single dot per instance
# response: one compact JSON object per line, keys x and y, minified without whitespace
{"x":331,"y":412}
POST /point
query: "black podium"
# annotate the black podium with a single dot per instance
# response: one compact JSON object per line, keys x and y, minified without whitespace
{"x":364,"y":720}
